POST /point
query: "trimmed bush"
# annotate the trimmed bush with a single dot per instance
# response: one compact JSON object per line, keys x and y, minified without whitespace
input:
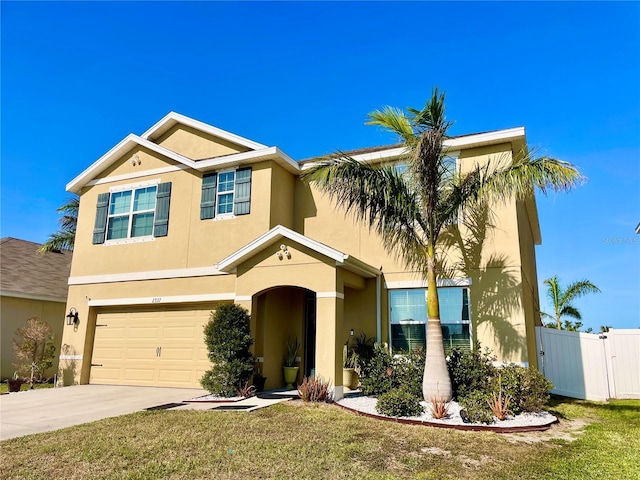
{"x":383,"y":372}
{"x":475,"y":403}
{"x":470,"y":371}
{"x":377,"y":373}
{"x":228,"y":339}
{"x":408,"y":371}
{"x":399,"y":403}
{"x":527,"y":387}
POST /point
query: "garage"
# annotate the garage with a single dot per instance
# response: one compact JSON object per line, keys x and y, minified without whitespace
{"x":151,"y":347}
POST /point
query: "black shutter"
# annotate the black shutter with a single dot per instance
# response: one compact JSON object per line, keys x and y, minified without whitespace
{"x":100,"y":227}
{"x":163,"y":199}
{"x":208,"y":198}
{"x":242,"y":195}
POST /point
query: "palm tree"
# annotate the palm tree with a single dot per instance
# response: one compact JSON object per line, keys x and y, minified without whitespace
{"x":562,"y":299}
{"x":64,"y":238}
{"x":409,"y":209}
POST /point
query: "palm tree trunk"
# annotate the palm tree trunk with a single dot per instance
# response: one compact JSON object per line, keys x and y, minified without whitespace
{"x":435,"y":381}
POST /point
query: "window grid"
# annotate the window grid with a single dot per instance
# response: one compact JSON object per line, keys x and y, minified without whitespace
{"x":139,"y":206}
{"x":226,"y":190}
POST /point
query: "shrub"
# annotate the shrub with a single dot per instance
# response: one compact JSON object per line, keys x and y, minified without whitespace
{"x":470,"y":371}
{"x":399,"y":403}
{"x":315,"y":389}
{"x":377,"y":373}
{"x":477,"y":408}
{"x":384,"y":372}
{"x":35,"y":350}
{"x":527,"y":387}
{"x":228,"y":338}
{"x":408,"y":371}
{"x":363,"y":347}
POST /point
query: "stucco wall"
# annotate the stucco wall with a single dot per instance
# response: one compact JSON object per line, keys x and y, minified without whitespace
{"x":14,"y":313}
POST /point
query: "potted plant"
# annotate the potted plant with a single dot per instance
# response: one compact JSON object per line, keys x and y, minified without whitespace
{"x":349,"y":362}
{"x":290,"y":368}
{"x":15,"y":383}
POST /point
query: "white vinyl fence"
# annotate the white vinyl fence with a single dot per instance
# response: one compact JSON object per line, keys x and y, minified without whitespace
{"x":590,"y":366}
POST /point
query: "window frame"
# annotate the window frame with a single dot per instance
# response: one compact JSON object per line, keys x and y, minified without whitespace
{"x":425,"y":321}
{"x":232,"y":192}
{"x":131,"y":213}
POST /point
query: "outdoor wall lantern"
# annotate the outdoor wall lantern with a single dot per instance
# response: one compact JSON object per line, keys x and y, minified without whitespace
{"x":72,"y":317}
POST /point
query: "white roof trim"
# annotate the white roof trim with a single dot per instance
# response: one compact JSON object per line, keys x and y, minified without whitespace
{"x":87,"y":177}
{"x":467,"y":141}
{"x":173,"y":118}
{"x":489,"y":138}
{"x":249,"y":157}
{"x":116,"y":152}
{"x":342,"y":259}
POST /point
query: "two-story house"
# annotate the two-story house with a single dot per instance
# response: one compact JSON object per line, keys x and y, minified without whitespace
{"x":187,"y":216}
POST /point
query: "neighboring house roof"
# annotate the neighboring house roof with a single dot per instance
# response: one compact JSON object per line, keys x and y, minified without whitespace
{"x":26,"y":274}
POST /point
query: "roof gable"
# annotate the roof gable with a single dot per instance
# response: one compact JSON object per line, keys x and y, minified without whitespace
{"x":278,"y":233}
{"x":173,"y":118}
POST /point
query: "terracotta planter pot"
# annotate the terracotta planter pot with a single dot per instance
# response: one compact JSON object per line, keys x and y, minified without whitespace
{"x":15,"y":385}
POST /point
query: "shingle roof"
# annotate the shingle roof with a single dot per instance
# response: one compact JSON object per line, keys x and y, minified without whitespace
{"x":24,"y":272}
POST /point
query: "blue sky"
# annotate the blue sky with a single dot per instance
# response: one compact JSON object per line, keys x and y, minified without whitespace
{"x":78,"y":77}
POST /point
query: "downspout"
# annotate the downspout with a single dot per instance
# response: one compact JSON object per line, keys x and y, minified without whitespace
{"x":378,"y":308}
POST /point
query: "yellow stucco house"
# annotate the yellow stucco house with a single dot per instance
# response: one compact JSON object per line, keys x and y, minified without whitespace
{"x":186,"y":216}
{"x":31,"y":285}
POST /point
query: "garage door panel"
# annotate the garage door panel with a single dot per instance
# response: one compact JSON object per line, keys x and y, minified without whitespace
{"x":127,"y":347}
{"x":143,"y":332}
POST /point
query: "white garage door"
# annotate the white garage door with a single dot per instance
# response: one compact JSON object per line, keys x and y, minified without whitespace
{"x":151,"y":347}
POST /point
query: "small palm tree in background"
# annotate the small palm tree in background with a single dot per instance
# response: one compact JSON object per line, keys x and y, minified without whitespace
{"x":64,"y":238}
{"x":408,"y":208}
{"x":562,"y":301}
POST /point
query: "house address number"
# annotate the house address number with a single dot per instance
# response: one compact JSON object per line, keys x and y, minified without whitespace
{"x":156,"y":300}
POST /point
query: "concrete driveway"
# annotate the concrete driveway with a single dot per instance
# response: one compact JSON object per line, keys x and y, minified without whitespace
{"x":43,"y":410}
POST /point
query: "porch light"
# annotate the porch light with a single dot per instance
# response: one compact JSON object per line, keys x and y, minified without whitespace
{"x":72,"y":317}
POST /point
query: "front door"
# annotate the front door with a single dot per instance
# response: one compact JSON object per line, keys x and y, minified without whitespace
{"x":309,"y":333}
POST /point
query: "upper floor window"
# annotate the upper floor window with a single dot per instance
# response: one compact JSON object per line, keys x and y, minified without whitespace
{"x":226,"y":194}
{"x":132,"y":213}
{"x":226,"y":189}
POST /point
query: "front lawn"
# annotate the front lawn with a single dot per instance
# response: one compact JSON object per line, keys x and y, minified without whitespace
{"x":296,"y":440}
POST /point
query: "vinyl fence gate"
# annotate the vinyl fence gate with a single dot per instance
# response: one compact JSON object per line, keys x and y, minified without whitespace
{"x":591,"y":366}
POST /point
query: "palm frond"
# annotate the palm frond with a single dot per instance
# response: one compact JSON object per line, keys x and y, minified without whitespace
{"x":570,"y":311}
{"x":61,"y":240}
{"x":395,"y":121}
{"x":380,"y":197}
{"x":504,"y":179}
{"x":578,"y":289}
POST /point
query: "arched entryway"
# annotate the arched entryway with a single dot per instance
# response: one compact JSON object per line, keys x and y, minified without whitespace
{"x":282,"y":314}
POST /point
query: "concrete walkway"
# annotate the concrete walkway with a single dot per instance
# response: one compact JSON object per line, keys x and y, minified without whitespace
{"x":44,"y":410}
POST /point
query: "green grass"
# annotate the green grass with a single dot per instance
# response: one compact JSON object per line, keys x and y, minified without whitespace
{"x":295,"y":440}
